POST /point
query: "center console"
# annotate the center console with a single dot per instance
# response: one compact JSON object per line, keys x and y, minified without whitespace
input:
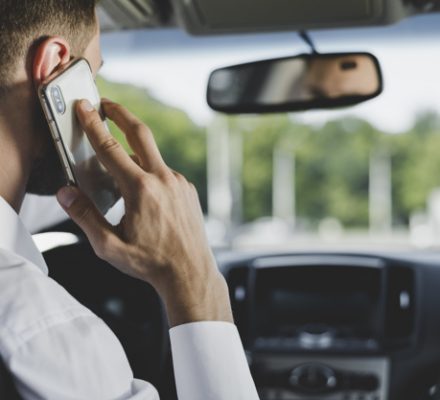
{"x":321,"y":327}
{"x":330,"y":378}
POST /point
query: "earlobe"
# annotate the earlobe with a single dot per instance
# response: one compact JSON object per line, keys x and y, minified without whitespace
{"x":50,"y":55}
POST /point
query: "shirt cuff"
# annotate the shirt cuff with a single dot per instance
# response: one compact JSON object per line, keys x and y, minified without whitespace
{"x":210,"y":363}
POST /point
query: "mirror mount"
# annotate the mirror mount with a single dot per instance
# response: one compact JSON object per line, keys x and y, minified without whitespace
{"x":304,"y":35}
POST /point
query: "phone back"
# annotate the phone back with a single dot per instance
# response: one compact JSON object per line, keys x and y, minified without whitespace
{"x":79,"y":160}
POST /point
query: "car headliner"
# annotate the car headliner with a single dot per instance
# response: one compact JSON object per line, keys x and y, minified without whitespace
{"x":157,"y":14}
{"x":420,"y":27}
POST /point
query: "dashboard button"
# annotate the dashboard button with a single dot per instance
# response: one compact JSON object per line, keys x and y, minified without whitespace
{"x":313,"y":378}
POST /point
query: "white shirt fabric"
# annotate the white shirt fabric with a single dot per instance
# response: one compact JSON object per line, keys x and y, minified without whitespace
{"x":58,"y":349}
{"x":41,"y":212}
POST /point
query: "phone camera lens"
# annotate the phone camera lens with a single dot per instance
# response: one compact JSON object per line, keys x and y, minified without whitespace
{"x":57,"y":98}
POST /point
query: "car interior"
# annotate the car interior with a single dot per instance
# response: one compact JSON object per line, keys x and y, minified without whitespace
{"x":338,"y":321}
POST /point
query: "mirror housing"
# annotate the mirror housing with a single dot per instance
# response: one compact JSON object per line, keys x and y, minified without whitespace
{"x":305,"y":82}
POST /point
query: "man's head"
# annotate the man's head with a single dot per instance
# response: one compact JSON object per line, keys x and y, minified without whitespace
{"x":25,"y":24}
{"x":37,"y":38}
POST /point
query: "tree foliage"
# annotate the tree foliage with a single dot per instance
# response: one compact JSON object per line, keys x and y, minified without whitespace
{"x":331,"y":161}
{"x":181,"y":142}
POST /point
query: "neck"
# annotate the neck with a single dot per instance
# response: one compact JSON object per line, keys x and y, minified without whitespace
{"x":16,"y":148}
{"x":14,"y":169}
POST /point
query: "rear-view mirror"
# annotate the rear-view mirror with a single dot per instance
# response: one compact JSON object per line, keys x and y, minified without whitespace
{"x":305,"y":82}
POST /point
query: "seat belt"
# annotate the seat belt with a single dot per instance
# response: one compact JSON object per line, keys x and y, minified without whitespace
{"x":7,"y":385}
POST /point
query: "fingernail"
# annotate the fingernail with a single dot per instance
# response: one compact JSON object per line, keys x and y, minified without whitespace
{"x":86,"y":105}
{"x":67,"y":195}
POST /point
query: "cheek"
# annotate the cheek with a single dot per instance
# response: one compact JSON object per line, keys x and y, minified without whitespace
{"x":41,"y":132}
{"x":93,"y":54}
{"x":95,"y":64}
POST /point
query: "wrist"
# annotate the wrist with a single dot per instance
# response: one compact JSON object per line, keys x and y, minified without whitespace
{"x":206,"y":300}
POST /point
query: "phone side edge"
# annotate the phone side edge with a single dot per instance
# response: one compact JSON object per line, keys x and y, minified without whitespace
{"x":56,"y":137}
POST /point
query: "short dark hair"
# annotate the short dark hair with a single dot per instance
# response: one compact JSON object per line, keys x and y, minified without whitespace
{"x":23,"y":23}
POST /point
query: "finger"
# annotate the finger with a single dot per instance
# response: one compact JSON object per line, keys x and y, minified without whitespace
{"x":83,"y":212}
{"x":108,"y":150}
{"x":139,"y":136}
{"x":135,"y":159}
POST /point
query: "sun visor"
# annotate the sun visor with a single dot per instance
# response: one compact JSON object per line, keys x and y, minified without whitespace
{"x":235,"y":16}
{"x":132,"y":14}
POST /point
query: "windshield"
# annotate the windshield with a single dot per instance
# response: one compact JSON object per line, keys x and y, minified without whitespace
{"x":358,"y":177}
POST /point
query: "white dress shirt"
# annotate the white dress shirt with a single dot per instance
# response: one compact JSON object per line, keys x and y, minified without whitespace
{"x":58,"y":349}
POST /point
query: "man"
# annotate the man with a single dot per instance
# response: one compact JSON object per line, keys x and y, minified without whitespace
{"x":53,"y":346}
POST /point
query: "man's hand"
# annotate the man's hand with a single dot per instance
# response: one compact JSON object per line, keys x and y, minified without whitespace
{"x":161,"y":239}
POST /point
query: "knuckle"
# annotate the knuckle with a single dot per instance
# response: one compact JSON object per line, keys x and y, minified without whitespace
{"x":179,"y":177}
{"x":168,"y":177}
{"x":141,"y":183}
{"x":103,"y":246}
{"x":139,"y":128}
{"x":142,"y":130}
{"x":100,"y":252}
{"x":82,"y":213}
{"x":109,"y":144}
{"x":93,"y":122}
{"x":111,"y":106}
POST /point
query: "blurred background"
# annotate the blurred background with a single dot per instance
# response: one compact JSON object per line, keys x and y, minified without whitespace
{"x":367,"y":176}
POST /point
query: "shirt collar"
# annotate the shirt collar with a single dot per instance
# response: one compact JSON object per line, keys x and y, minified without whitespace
{"x":15,"y":238}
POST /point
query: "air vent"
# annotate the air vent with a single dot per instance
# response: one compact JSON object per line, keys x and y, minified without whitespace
{"x":400,"y":307}
{"x":238,"y":282}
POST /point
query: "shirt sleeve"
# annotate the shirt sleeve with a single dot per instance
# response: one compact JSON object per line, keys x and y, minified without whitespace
{"x":78,"y":359}
{"x":210,"y":363}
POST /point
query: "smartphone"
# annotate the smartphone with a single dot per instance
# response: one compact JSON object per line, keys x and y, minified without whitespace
{"x":58,"y":96}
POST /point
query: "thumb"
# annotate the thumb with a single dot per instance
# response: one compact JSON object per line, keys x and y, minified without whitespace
{"x":84,"y":213}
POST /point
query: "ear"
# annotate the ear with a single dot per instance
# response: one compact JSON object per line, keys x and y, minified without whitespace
{"x":50,"y":55}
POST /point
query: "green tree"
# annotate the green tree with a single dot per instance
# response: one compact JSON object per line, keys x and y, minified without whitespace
{"x":258,"y":146}
{"x":416,"y":164}
{"x":181,"y":142}
{"x":332,"y":161}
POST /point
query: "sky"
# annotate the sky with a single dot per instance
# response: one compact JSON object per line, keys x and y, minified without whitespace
{"x":178,"y":75}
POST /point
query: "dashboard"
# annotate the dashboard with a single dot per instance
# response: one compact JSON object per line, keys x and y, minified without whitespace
{"x":314,"y":326}
{"x":339,"y":326}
